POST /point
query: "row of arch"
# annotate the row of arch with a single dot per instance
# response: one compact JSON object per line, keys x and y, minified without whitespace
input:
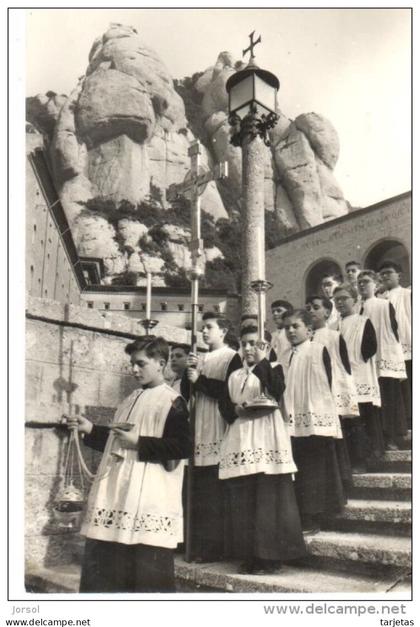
{"x":387,"y":248}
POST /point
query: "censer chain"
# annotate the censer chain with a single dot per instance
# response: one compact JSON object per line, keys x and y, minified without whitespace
{"x":82,"y":464}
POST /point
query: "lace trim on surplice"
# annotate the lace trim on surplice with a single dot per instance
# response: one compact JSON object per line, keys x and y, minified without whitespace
{"x":392,"y":366}
{"x":364,"y":389}
{"x":255,"y":456}
{"x":208,"y":449}
{"x":345,"y":400}
{"x":125,"y":521}
{"x":308,"y":419}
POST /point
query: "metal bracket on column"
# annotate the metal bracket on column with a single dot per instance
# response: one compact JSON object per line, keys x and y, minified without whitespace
{"x":252,"y":124}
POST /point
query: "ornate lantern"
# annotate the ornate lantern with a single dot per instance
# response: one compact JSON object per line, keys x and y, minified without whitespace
{"x":252,"y":99}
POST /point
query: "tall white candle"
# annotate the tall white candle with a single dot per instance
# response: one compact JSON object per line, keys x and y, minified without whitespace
{"x":260,"y":253}
{"x":149,"y":296}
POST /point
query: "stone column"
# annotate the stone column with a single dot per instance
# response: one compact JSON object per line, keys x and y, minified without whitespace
{"x":252,"y":215}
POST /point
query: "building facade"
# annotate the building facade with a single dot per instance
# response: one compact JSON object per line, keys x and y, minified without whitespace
{"x":369,"y":235}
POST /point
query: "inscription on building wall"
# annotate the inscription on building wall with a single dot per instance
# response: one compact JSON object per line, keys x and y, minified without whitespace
{"x":381,"y":220}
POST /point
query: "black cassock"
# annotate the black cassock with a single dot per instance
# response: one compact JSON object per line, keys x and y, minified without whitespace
{"x":262,"y":520}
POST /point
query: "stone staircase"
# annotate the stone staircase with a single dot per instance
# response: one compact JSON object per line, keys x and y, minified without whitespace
{"x":365,"y":549}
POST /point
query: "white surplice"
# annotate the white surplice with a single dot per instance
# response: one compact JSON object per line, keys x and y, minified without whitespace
{"x":309,"y":401}
{"x":209,"y":424}
{"x":364,"y":372}
{"x":279,"y":342}
{"x":400,"y":297}
{"x":389,"y":356}
{"x":343,"y":386}
{"x":251,"y":446}
{"x":131,"y":501}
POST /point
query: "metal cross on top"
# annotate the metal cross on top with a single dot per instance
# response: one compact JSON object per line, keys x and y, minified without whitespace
{"x":251,"y":46}
{"x":193,"y":186}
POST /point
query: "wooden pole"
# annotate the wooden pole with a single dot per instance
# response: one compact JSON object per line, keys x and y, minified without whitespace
{"x":190,"y":467}
{"x":196,"y":251}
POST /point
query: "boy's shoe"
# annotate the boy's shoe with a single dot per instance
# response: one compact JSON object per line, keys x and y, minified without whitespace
{"x":267,"y":567}
{"x":359,"y":470}
{"x":247,"y":568}
{"x":207,"y":559}
{"x":310,"y":525}
{"x":376,"y":454}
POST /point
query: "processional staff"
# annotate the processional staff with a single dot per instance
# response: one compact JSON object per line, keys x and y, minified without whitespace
{"x":193,"y":186}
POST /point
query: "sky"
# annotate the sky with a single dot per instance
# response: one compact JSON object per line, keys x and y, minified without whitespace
{"x":352,"y":66}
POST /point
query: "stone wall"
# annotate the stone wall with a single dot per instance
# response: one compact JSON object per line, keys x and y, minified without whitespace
{"x":351,"y":237}
{"x":73,"y":355}
{"x":49,"y":268}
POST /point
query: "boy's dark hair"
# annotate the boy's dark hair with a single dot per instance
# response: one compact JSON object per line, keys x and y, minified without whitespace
{"x":390,"y":264}
{"x":301,"y":314}
{"x":154,"y":347}
{"x":347,"y":287}
{"x":326,"y":303}
{"x":282,"y":303}
{"x":352,"y":263}
{"x":231,"y":340}
{"x":252,"y":329}
{"x":184,"y":347}
{"x":221,"y":320}
{"x":249,"y":317}
{"x":370,"y":273}
{"x":332,"y":275}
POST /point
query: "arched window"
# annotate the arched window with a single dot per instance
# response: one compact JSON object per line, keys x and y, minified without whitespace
{"x":390,"y":250}
{"x":318,"y":270}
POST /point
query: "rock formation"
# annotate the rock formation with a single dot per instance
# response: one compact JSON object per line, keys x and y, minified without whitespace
{"x":121,"y":138}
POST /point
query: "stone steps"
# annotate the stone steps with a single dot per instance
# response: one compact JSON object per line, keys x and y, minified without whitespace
{"x":222,"y":577}
{"x":63,"y":578}
{"x":359,"y":552}
{"x":382,"y":485}
{"x":377,"y":511}
{"x":392,"y":461}
{"x":290,"y":579}
{"x":373,"y":516}
{"x":338,"y":562}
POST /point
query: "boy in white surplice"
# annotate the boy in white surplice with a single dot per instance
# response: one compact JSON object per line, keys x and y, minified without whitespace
{"x":208,"y":377}
{"x":390,"y":274}
{"x":134,"y":512}
{"x":390,"y":364}
{"x":314,"y":424}
{"x":365,"y":437}
{"x":256,"y":465}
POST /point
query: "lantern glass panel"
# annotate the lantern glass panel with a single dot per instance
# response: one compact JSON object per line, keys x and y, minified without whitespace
{"x":265,"y":94}
{"x":241,"y":94}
